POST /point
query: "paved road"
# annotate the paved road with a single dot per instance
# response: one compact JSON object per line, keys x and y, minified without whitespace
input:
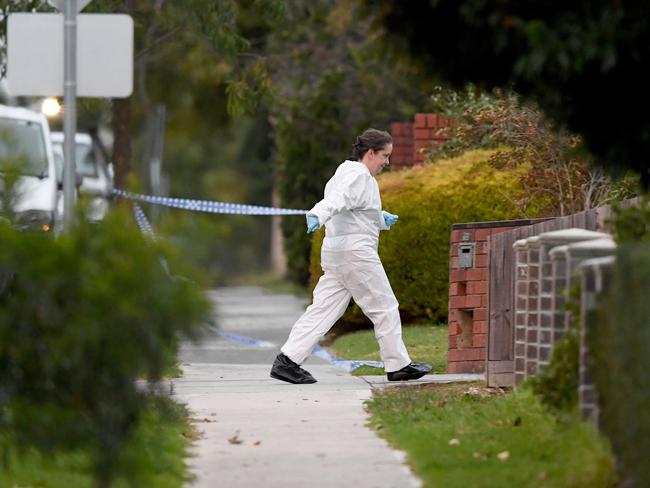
{"x":260,"y":432}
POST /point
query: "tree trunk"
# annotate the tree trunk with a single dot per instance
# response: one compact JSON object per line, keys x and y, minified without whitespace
{"x":121,"y":141}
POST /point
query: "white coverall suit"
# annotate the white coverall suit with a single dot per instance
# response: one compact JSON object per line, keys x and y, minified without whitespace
{"x":352,"y":214}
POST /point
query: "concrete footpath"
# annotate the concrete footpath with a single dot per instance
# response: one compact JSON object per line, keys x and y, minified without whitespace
{"x":257,"y":431}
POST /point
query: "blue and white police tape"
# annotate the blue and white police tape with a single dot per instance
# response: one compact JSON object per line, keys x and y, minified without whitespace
{"x":346,"y":364}
{"x":246,"y":341}
{"x":142,"y":222}
{"x":208,"y":206}
{"x":320,"y":352}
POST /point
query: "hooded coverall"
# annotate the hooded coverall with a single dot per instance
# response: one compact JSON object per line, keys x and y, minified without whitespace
{"x":352,"y":214}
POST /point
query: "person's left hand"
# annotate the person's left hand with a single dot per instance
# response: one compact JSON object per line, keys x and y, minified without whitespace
{"x":312,"y":223}
{"x":390,"y":219}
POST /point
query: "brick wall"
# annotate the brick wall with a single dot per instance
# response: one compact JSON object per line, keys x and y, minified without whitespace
{"x":468,"y":293}
{"x":428,"y":132}
{"x":411,"y":139}
{"x":402,"y":133}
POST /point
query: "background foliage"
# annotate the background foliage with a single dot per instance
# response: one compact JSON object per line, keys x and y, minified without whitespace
{"x":82,"y":318}
{"x":335,"y":78}
{"x":581,"y":61}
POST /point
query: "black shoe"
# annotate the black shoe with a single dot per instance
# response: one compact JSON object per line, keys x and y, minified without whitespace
{"x":411,"y":372}
{"x":286,"y":370}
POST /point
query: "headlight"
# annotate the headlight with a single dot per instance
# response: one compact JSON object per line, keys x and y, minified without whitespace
{"x":39,"y":220}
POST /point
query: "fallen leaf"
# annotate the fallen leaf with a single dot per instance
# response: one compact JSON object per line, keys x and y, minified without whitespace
{"x":257,"y":443}
{"x":235,"y":439}
{"x":503,"y":456}
{"x":517,"y":422}
{"x":454,"y":442}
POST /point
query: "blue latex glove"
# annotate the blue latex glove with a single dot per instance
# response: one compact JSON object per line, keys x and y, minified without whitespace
{"x":390,"y":218}
{"x":312,"y":223}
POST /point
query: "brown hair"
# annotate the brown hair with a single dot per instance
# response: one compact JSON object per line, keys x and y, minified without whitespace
{"x":370,"y":139}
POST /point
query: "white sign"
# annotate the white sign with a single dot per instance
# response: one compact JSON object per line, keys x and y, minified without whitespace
{"x":104,"y":55}
{"x":60,"y":4}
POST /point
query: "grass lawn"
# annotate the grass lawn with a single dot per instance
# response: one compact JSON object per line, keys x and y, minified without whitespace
{"x":156,"y":458}
{"x":464,"y":435}
{"x":425,"y":343}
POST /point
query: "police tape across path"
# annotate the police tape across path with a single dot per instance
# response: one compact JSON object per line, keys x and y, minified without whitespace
{"x":208,"y":205}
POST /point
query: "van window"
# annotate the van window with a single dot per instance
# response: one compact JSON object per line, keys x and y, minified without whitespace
{"x":23,"y":142}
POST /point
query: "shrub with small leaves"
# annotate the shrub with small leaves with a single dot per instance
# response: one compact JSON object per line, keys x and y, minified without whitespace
{"x":81,"y":319}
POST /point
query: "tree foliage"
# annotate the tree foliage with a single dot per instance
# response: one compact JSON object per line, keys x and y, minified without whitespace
{"x":560,"y":175}
{"x":332,"y":79}
{"x":582,"y":61}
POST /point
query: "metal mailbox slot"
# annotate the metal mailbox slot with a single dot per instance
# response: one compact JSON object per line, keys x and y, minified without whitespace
{"x":466,"y":255}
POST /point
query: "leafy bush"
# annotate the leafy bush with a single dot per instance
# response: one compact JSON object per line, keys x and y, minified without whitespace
{"x":81,"y":319}
{"x":428,"y":200}
{"x":620,"y":347}
{"x":557,"y":385}
{"x":560,"y":173}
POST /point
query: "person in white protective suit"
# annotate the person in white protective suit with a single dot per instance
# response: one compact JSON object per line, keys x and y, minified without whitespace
{"x":352,"y":215}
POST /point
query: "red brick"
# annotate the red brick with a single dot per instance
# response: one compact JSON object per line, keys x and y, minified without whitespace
{"x":453,"y":342}
{"x":482,"y":234}
{"x":476,"y":274}
{"x":452,"y":315}
{"x":485,"y":301}
{"x":420,"y":121}
{"x":472,"y":354}
{"x":458,"y":302}
{"x":422,"y":134}
{"x":479,"y":340}
{"x":453,"y":262}
{"x":453,"y":249}
{"x":453,"y":289}
{"x":456,"y":275}
{"x":477,"y":287}
{"x":464,"y":367}
{"x":481,"y":261}
{"x":432,"y":120}
{"x":454,"y":329}
{"x":482,"y":247}
{"x":480,"y":314}
{"x":473,"y":301}
{"x":420,"y":144}
{"x":480,"y":326}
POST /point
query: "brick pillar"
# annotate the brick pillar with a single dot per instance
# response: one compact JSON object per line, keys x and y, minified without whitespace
{"x":429,"y":131}
{"x":564,"y":269}
{"x":596,"y":276}
{"x":549,"y":312}
{"x":403,"y":149}
{"x":521,"y":312}
{"x":532,"y":318}
{"x":467,"y":301}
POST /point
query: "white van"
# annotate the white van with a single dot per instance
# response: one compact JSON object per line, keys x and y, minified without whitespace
{"x":25,"y":141}
{"x":97,"y":183}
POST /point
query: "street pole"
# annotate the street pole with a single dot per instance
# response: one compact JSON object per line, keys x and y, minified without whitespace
{"x":70,"y":109}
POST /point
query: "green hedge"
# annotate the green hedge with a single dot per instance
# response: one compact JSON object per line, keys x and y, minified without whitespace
{"x":428,"y":200}
{"x":620,"y":348}
{"x":82,"y":317}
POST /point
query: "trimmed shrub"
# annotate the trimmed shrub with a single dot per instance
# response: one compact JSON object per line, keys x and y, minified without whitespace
{"x":428,"y":200}
{"x":620,"y":348}
{"x":82,"y":318}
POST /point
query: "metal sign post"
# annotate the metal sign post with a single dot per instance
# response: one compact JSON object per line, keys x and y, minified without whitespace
{"x":70,"y":110}
{"x":74,"y":55}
